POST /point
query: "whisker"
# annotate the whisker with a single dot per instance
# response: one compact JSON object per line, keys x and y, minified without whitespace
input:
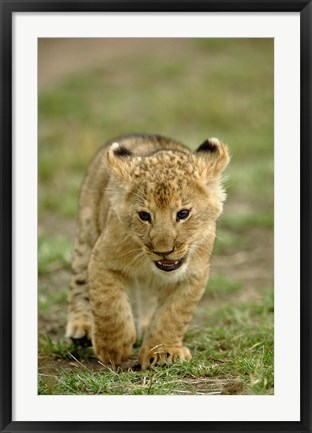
{"x":133,"y":261}
{"x":129,"y":252}
{"x":193,"y":252}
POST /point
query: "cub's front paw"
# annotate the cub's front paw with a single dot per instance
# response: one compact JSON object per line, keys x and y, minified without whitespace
{"x":112,"y":352}
{"x":161,"y":355}
{"x":78,"y":329}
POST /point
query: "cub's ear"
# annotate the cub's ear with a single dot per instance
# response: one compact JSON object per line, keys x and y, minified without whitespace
{"x":213,"y":156}
{"x":118,"y":160}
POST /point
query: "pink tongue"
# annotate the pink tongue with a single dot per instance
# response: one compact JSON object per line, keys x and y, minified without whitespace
{"x":167,"y":262}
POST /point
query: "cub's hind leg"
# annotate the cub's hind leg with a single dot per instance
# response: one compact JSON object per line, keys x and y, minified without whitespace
{"x":79,"y":317}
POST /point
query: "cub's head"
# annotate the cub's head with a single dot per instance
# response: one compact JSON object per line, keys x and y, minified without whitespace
{"x":168,"y":201}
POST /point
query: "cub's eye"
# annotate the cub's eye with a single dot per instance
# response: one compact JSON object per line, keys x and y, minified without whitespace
{"x":145,"y":216}
{"x":182,"y":214}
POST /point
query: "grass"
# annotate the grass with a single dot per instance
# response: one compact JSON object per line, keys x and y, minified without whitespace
{"x":54,"y":252}
{"x":233,"y":355}
{"x":209,"y":87}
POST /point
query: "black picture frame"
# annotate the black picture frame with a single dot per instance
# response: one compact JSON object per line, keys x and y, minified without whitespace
{"x":8,"y":8}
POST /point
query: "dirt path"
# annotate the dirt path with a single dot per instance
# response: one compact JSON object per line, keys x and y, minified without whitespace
{"x":59,"y":58}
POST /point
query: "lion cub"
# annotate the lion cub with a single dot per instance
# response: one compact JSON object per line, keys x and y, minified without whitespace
{"x":146,"y":229}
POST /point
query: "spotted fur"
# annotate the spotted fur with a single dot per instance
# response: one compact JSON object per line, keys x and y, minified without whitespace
{"x":121,"y":287}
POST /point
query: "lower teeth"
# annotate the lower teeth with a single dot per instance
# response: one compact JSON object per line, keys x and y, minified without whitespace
{"x":172,"y":264}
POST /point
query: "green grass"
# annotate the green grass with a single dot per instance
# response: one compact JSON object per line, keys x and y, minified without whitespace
{"x":48,"y":299}
{"x":246,"y":220}
{"x":222,"y":284}
{"x":59,"y":349}
{"x":211,"y":87}
{"x":54,"y":252}
{"x":232,"y":353}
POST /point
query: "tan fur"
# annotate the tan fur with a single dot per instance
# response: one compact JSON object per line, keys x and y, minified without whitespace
{"x":117,"y":292}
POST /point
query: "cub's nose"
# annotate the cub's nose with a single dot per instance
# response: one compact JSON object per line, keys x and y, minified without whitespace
{"x":163,"y":253}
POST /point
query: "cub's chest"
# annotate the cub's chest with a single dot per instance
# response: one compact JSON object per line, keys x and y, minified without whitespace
{"x":143,"y":296}
{"x":141,"y":285}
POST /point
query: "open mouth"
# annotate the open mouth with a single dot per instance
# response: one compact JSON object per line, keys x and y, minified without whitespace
{"x":169,"y":265}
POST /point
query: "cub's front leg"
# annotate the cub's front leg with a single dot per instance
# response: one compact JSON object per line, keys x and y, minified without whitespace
{"x":113,"y":331}
{"x":163,"y":341}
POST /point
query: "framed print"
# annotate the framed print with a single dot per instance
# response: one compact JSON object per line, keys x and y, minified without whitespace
{"x":110,"y":229}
